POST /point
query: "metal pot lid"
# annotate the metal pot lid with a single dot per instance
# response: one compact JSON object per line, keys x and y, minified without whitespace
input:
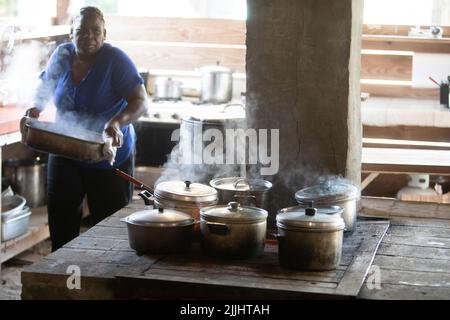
{"x":241,"y":184}
{"x":233,"y":213}
{"x":217,"y":68}
{"x":185,"y":191}
{"x":167,"y":81}
{"x":327,"y":192}
{"x":311,"y":218}
{"x":160,"y":218}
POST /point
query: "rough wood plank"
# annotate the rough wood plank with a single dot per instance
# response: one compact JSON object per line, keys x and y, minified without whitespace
{"x":415,"y":278}
{"x":411,"y":264}
{"x":399,"y":91}
{"x":420,"y":231}
{"x":195,"y":30}
{"x":423,"y":133}
{"x":402,"y":43}
{"x":417,"y":241}
{"x":395,"y":209}
{"x":383,"y":66}
{"x":152,"y":55}
{"x":403,"y":292}
{"x":356,"y":273}
{"x":414,"y":251}
{"x":107,"y":232}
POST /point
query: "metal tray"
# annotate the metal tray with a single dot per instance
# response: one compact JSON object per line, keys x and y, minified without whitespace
{"x":79,"y":144}
{"x":16,"y":226}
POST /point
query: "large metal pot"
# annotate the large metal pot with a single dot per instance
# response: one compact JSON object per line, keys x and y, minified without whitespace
{"x":233,"y":231}
{"x":167,"y":89}
{"x":333,"y":194}
{"x":159,"y":231}
{"x":310,"y":238}
{"x":193,"y":143}
{"x":251,"y":192}
{"x":28,"y":178}
{"x":74,"y":142}
{"x":216,"y":84}
{"x":185,"y":196}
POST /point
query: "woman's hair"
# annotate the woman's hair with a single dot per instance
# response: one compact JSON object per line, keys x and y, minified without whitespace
{"x":86,"y":11}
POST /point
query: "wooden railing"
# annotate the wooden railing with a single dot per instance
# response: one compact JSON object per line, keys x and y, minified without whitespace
{"x":186,"y":44}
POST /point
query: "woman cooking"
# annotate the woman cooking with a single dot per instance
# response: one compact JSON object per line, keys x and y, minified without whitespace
{"x":96,"y":86}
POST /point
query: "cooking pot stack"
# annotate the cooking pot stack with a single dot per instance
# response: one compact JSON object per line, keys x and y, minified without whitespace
{"x":229,"y":218}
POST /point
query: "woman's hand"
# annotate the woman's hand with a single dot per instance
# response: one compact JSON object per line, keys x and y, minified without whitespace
{"x":112,"y":130}
{"x":33,"y":113}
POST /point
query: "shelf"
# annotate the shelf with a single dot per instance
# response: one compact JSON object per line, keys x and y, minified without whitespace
{"x":37,"y":232}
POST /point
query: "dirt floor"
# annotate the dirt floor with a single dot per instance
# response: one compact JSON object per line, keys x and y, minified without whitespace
{"x":10,"y":285}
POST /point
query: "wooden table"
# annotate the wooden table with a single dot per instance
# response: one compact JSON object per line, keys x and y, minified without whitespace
{"x":110,"y":269}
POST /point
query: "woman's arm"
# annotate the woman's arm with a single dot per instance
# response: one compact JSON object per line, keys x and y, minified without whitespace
{"x":137,"y":105}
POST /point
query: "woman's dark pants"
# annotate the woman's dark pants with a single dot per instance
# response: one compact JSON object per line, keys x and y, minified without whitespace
{"x":69,"y":183}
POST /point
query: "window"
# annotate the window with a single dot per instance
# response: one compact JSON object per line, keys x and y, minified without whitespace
{"x":407,"y":12}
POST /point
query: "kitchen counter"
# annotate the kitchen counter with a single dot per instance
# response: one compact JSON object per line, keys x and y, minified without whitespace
{"x":412,"y":257}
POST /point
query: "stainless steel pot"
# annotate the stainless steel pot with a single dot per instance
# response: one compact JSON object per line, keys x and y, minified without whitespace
{"x":159,"y":231}
{"x":28,"y":178}
{"x":251,"y":192}
{"x":185,"y":196}
{"x":167,"y":89}
{"x":192,"y":144}
{"x":333,"y":194}
{"x":216,"y":84}
{"x":310,"y":238}
{"x":74,"y":143}
{"x":233,"y":231}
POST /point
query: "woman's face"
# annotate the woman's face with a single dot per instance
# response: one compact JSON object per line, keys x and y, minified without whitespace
{"x":88,"y":34}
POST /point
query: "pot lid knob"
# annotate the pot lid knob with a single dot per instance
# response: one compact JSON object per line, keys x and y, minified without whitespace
{"x":310,"y":211}
{"x":233,"y":206}
{"x":160,"y":210}
{"x":187,"y":183}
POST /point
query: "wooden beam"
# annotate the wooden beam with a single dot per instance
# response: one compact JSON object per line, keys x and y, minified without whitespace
{"x":179,"y":56}
{"x":404,"y":43}
{"x":399,"y":91}
{"x":194,"y":30}
{"x":378,"y":65}
{"x":408,"y":133}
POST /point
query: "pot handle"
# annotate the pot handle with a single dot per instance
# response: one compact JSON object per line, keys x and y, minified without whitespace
{"x":276,"y":236}
{"x":239,"y":181}
{"x":233,"y":104}
{"x":218,"y":228}
{"x":147,"y":197}
{"x":237,"y":197}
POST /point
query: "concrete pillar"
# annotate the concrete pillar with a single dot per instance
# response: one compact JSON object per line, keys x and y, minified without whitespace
{"x":303,"y":73}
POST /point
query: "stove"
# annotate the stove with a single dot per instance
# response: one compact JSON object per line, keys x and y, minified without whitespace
{"x":171,"y":112}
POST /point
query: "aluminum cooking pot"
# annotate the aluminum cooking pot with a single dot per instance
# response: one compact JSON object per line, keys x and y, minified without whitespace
{"x":159,"y":231}
{"x":333,"y":194}
{"x":216,"y":84}
{"x":185,"y":196}
{"x":252,"y":192}
{"x":28,"y":178}
{"x":310,"y":238}
{"x":167,"y":89}
{"x":233,"y":231}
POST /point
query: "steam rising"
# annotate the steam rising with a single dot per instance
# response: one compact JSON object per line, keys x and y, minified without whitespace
{"x":20,"y":75}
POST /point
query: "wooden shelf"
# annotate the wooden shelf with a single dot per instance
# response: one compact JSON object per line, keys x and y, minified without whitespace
{"x":37,"y":232}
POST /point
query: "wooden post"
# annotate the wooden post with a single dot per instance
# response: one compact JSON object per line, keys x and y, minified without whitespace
{"x":303,"y":67}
